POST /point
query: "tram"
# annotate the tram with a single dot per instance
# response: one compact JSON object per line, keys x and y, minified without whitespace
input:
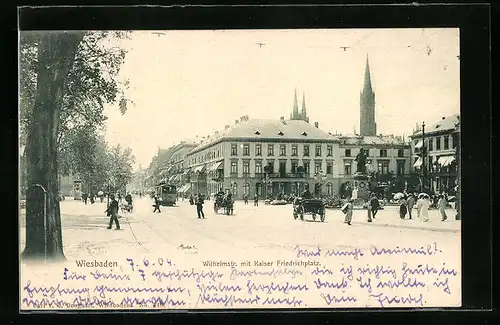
{"x":166,"y":193}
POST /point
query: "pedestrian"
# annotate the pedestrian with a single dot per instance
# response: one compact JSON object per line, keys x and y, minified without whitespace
{"x":348,"y":210}
{"x":442,"y":206}
{"x":85,"y":197}
{"x":199,"y":206}
{"x":245,"y":197}
{"x":92,"y":198}
{"x":410,"y":203}
{"x":402,"y":208}
{"x":374,"y":206}
{"x":424,"y":208}
{"x":256,"y":200}
{"x":112,"y":212}
{"x":157,"y":204}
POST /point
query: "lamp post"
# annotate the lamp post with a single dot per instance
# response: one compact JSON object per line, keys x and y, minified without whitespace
{"x":424,"y":151}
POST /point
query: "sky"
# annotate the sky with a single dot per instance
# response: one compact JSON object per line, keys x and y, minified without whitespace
{"x":191,"y":83}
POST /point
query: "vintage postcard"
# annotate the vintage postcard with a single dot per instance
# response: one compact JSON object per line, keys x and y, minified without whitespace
{"x":239,"y":169}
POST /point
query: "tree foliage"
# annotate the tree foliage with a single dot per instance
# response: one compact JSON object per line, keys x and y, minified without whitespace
{"x":66,"y":78}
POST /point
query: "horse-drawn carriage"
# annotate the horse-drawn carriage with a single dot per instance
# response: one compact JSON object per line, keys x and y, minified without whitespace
{"x":225,"y":202}
{"x":314,"y":207}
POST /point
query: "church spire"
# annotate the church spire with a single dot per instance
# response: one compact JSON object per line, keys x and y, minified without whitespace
{"x":295,"y":112}
{"x":367,"y":125}
{"x":367,"y":87}
{"x":303,"y":113}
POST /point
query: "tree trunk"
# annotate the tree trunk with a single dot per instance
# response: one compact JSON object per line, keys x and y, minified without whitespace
{"x":56,"y":52}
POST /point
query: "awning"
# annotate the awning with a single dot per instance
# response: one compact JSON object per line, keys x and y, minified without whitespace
{"x":215,"y":166}
{"x":166,"y":170}
{"x":184,"y":188}
{"x":419,"y":144}
{"x":186,"y":171}
{"x":418,"y":163}
{"x":171,"y":178}
{"x":445,"y":160}
{"x":177,"y":177}
{"x":199,"y":169}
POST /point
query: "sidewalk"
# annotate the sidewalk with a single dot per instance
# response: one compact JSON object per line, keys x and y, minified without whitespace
{"x":389,"y":217}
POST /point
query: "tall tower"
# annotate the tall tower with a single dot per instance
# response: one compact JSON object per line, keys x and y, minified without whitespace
{"x":295,"y":113}
{"x":367,"y":125}
{"x":303,"y":112}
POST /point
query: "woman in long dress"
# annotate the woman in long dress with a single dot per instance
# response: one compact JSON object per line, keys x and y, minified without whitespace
{"x":424,"y":209}
{"x":442,"y":206}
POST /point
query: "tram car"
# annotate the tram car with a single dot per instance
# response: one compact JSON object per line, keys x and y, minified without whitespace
{"x":166,"y":193}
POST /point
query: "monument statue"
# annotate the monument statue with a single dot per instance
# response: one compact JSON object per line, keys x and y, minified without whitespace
{"x":361,"y":161}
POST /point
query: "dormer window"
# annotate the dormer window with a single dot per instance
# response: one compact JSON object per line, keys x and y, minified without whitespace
{"x":304,"y":134}
{"x":280,"y":133}
{"x":257,"y":132}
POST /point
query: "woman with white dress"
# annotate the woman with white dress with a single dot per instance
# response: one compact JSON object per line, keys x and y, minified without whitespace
{"x":424,"y":208}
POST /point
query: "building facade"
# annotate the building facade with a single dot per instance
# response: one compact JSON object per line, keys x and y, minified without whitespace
{"x":388,"y":159}
{"x":434,"y":154}
{"x":267,"y":158}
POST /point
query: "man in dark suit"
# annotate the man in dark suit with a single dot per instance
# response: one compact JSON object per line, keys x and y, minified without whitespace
{"x":112,"y":211}
{"x":199,"y":206}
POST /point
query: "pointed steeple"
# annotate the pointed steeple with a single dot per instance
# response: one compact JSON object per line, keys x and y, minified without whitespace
{"x":367,"y":86}
{"x":367,"y":125}
{"x":295,"y":112}
{"x":303,"y":113}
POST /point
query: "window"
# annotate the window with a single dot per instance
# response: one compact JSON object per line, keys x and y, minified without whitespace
{"x":329,"y":189}
{"x":401,"y":167}
{"x":258,"y":150}
{"x":446,"y":144}
{"x":347,"y":167}
{"x":429,"y":165}
{"x":294,"y":167}
{"x":329,"y":168}
{"x":306,"y":150}
{"x":317,"y":167}
{"x":258,"y":167}
{"x":318,"y":150}
{"x":306,"y":168}
{"x":282,"y":150}
{"x":294,"y":150}
{"x":246,"y":149}
{"x":246,"y":167}
{"x":329,"y":150}
{"x":270,"y":167}
{"x":234,"y":149}
{"x":270,"y":150}
{"x":431,"y":144}
{"x":246,"y":189}
{"x":438,"y":143}
{"x":234,"y":167}
{"x":383,"y":167}
{"x":400,"y":153}
{"x":383,"y":152}
{"x":348,"y":152}
{"x":282,"y":168}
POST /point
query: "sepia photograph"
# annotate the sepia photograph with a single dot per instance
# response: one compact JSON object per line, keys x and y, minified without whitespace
{"x":239,"y":169}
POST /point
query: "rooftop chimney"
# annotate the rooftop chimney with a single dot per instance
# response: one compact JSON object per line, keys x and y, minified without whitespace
{"x":316,"y":124}
{"x":443,"y":118}
{"x":236,"y":121}
{"x":226,"y":127}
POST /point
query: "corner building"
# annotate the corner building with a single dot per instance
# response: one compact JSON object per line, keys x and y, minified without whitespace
{"x":266,"y":157}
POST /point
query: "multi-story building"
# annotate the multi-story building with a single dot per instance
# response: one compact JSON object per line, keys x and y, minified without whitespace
{"x":177,"y":174}
{"x":265,"y":157}
{"x":435,"y":149}
{"x":388,"y":157}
